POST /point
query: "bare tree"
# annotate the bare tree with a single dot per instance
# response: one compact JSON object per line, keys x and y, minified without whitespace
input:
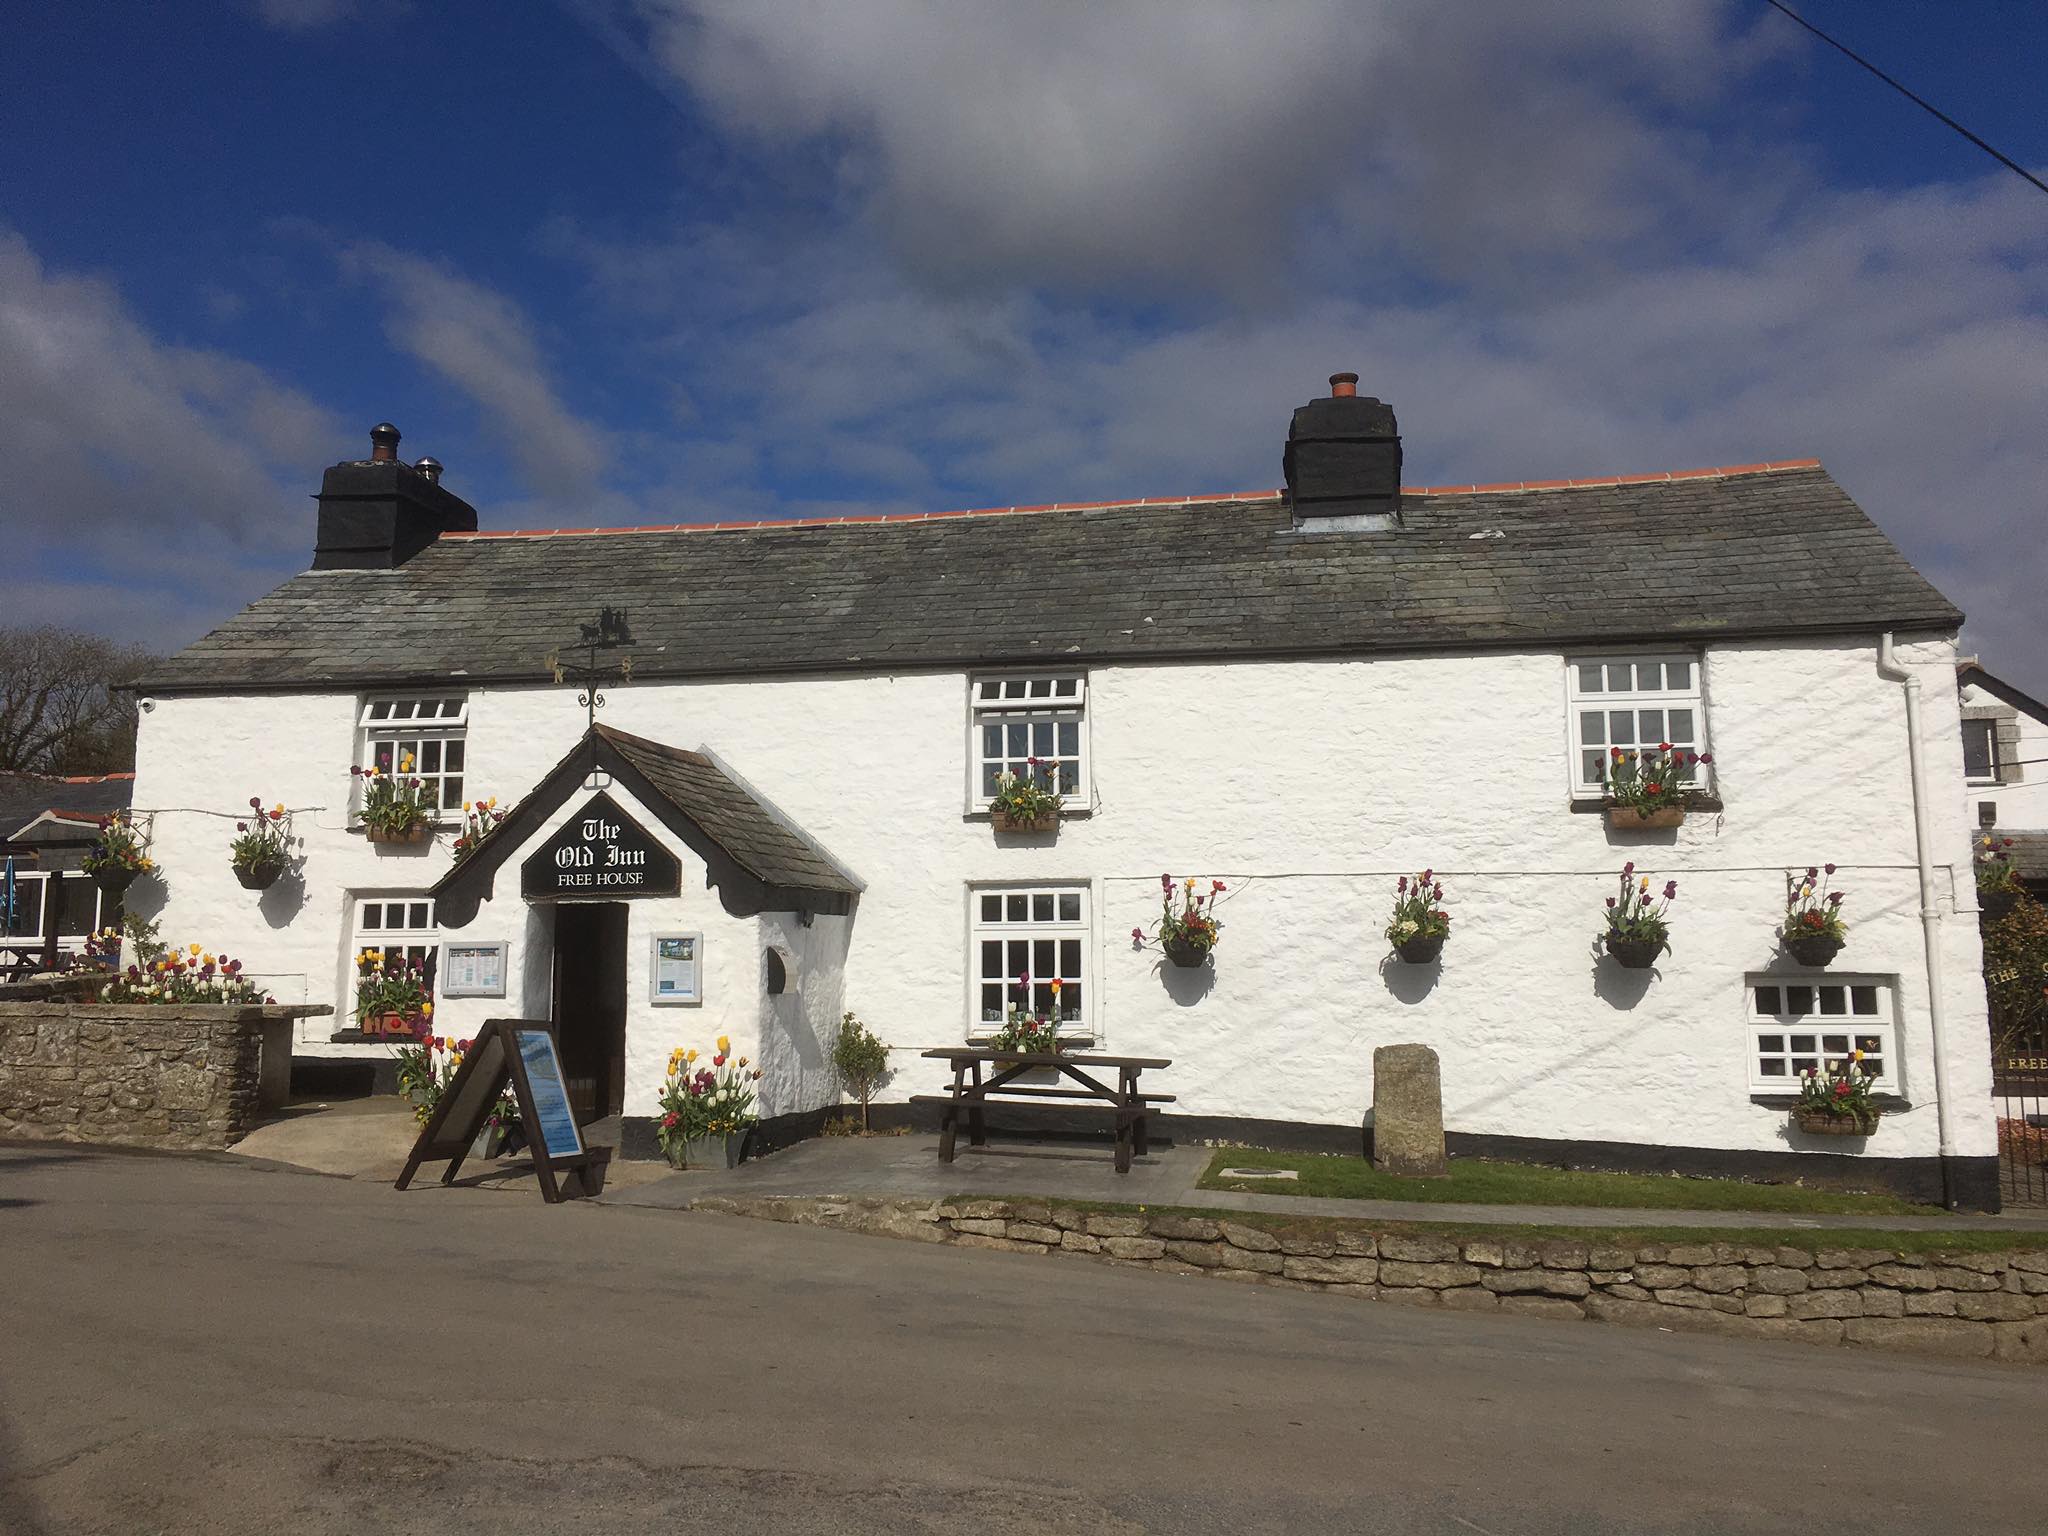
{"x":60,"y":711}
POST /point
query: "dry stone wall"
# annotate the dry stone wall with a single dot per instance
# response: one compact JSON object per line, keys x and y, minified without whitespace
{"x":182,"y":1078}
{"x":1968,"y":1305}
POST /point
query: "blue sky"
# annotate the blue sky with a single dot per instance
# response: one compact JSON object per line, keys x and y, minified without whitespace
{"x":620,"y":261}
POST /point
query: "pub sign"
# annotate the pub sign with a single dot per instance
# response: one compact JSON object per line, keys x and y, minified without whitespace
{"x":602,"y":853}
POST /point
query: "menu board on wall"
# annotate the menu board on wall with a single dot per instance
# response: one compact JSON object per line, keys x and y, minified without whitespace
{"x":676,"y":972}
{"x":472,"y":969}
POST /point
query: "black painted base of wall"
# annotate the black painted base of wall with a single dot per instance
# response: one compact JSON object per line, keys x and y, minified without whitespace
{"x":335,"y":1077}
{"x":1967,"y":1183}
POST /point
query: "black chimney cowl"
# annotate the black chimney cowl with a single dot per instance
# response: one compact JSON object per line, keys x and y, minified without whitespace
{"x":377,"y":513}
{"x":1343,"y":460}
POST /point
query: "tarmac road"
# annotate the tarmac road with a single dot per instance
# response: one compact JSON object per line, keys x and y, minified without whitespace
{"x":197,"y":1345}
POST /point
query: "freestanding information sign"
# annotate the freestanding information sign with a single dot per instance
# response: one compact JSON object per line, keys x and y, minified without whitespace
{"x":519,"y":1053}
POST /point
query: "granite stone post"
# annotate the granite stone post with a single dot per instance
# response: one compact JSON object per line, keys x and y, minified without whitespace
{"x":1408,"y":1112}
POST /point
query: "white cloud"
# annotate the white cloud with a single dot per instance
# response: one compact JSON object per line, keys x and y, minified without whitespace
{"x":481,"y":342}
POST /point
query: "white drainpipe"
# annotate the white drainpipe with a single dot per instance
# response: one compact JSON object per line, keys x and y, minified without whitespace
{"x":1930,"y":912}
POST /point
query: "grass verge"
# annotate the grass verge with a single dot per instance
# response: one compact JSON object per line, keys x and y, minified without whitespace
{"x":1480,"y":1181}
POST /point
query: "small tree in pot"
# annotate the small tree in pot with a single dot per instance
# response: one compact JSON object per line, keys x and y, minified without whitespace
{"x":861,"y":1060}
{"x":1813,"y":930}
{"x":1637,"y":931}
{"x":1419,"y":925}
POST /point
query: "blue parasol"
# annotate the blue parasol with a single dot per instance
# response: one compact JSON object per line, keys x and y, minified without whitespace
{"x":9,"y":903}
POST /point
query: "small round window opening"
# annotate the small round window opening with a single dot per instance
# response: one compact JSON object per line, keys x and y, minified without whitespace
{"x":778,"y":974}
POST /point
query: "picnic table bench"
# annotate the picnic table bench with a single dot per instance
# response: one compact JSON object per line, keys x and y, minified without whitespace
{"x":1125,"y":1104}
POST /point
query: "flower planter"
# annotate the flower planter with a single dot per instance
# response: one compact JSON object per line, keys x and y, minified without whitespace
{"x":712,"y":1151}
{"x":1821,"y":1122}
{"x":1813,"y":949}
{"x":1992,"y":905}
{"x":1185,"y":955}
{"x":411,"y":837}
{"x":1045,"y":821}
{"x":1635,"y":954}
{"x":1420,"y":951}
{"x":114,"y":878}
{"x":259,"y":877}
{"x":394,"y":1026}
{"x":1626,"y":818}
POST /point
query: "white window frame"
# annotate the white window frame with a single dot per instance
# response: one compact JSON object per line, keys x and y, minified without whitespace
{"x":1635,"y":699}
{"x":33,"y":932}
{"x":408,"y":936}
{"x":1039,"y":704}
{"x":1032,"y":929}
{"x":1778,"y":1036}
{"x":416,"y":722}
{"x":1990,"y":726}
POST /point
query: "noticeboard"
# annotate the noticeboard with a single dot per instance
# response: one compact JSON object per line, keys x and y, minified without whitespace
{"x":600,"y":853}
{"x":518,"y":1054}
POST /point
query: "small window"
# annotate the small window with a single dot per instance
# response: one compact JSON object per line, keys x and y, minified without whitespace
{"x":1023,"y":941}
{"x":1016,"y":720}
{"x":422,"y":738}
{"x":1980,"y":751}
{"x":398,"y":928}
{"x":1632,"y":703}
{"x":778,"y":974}
{"x":79,"y":907}
{"x":1805,"y":1026}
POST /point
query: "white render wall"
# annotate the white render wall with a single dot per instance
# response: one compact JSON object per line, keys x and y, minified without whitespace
{"x":1308,"y":786}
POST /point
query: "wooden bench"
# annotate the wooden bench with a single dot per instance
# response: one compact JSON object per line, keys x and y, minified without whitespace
{"x":1126,"y":1106}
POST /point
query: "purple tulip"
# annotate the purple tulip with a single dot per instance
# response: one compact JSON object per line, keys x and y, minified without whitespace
{"x":1670,"y":889}
{"x":1829,"y":868}
{"x":1401,"y":886}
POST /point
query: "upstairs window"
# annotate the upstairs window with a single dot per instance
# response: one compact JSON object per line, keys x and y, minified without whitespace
{"x":1796,"y":1024}
{"x":1634,"y":702}
{"x":1017,"y":718}
{"x":1980,"y":751}
{"x":1038,"y":931}
{"x":420,"y":738}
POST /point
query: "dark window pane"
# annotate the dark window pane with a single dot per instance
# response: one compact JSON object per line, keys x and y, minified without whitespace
{"x":1767,"y":1001}
{"x":27,"y":918}
{"x":991,"y":909}
{"x":991,"y":957}
{"x":1863,"y":1000}
{"x":1070,"y":959}
{"x":430,"y":757}
{"x":1070,"y":738}
{"x":1770,"y":1068}
{"x":1044,"y":959}
{"x":1589,"y":677}
{"x":1019,"y":951}
{"x":1041,"y":907}
{"x":990,"y":772}
{"x":454,"y":764}
{"x":992,"y":1003}
{"x":1770,"y":1042}
{"x":1070,"y":906}
{"x":77,"y":906}
{"x":1980,"y":749}
{"x":451,"y":793}
{"x":1799,"y":1001}
{"x":1018,"y":908}
{"x":1833,"y":1000}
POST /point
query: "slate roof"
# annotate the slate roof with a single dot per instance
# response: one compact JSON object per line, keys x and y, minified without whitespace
{"x":1764,"y":550}
{"x":748,"y":829}
{"x":25,"y":796}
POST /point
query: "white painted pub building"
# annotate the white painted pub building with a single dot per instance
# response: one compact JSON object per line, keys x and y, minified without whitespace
{"x":1304,"y":693}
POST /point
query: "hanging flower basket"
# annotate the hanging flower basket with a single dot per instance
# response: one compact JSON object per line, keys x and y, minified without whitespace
{"x":114,"y":878}
{"x":259,"y":877}
{"x":1823,"y":1122}
{"x":1629,"y":818}
{"x":1815,"y":951}
{"x":1185,"y":953}
{"x":1422,"y":951}
{"x":1992,"y":905}
{"x":1635,"y":954}
{"x":1044,"y":821}
{"x":405,"y":837}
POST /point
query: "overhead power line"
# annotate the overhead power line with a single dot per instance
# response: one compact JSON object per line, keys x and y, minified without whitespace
{"x":1919,"y":101}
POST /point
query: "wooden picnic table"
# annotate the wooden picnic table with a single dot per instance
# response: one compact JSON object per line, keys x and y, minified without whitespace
{"x":969,"y":1093}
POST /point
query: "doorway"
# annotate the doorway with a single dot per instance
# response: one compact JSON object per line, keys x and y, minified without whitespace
{"x":590,"y":1005}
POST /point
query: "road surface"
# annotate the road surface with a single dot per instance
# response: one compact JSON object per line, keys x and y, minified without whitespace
{"x":197,"y":1345}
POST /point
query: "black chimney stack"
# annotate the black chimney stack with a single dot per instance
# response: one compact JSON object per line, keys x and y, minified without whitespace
{"x":1343,"y":460}
{"x":377,"y":513}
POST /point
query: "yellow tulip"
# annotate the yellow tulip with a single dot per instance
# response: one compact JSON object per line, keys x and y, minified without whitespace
{"x":692,"y":1055}
{"x":465,"y":805}
{"x":724,"y":1044}
{"x":195,"y":949}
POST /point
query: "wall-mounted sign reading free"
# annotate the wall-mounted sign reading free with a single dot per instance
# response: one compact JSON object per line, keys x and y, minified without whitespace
{"x":602,"y":853}
{"x":676,"y":974}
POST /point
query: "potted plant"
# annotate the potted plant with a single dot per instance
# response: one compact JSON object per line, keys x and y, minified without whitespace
{"x":1813,"y":930}
{"x":390,"y":1001}
{"x":1647,"y":789}
{"x":395,"y":810}
{"x":1027,"y":1031}
{"x":1834,"y":1100}
{"x":861,"y":1060}
{"x":262,"y":846}
{"x":1637,"y":931}
{"x":425,"y":1065}
{"x":1998,"y":883}
{"x":1027,"y":801}
{"x":706,"y":1113}
{"x":1419,"y":926}
{"x":1186,"y":937}
{"x":117,"y":855}
{"x":480,"y":819}
{"x":188,"y":975}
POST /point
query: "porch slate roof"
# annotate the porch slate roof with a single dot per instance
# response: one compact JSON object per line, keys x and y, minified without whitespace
{"x":755,"y":857}
{"x":1767,"y":551}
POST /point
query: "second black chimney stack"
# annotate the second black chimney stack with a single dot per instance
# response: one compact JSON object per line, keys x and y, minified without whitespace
{"x":1343,"y":460}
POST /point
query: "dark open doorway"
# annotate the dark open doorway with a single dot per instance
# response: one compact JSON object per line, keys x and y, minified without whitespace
{"x":590,"y":1004}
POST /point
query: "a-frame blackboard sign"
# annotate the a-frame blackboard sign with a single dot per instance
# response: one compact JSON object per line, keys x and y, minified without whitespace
{"x":519,"y":1053}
